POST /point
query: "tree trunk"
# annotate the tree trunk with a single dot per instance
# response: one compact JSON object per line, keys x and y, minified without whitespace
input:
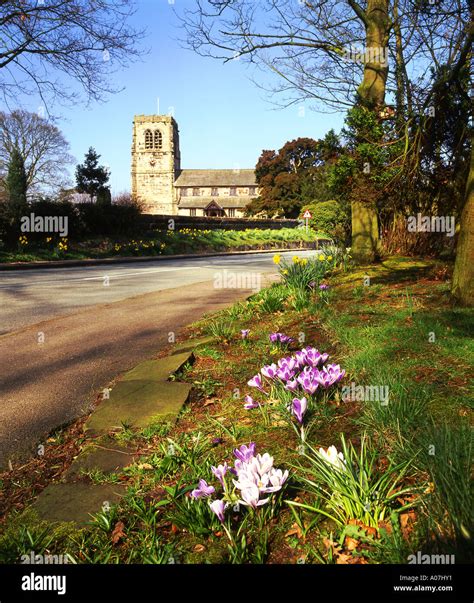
{"x":371,"y":94}
{"x":463,"y":277}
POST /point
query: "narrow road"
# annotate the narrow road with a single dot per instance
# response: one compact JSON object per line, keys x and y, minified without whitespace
{"x":67,"y":332}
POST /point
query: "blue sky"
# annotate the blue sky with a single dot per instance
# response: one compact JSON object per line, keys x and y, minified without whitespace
{"x":224,"y":119}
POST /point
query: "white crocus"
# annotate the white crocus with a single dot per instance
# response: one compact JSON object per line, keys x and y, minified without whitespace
{"x":251,"y":497}
{"x":332,"y":456}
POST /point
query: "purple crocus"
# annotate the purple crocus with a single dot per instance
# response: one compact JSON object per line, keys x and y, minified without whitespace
{"x":245,"y":333}
{"x":269,"y":371}
{"x":299,"y":408}
{"x":250,"y":403}
{"x":256,"y":382}
{"x":308,"y":381}
{"x":324,"y":287}
{"x":204,"y":489}
{"x":313,"y":357}
{"x":219,"y":472}
{"x":330,"y":374}
{"x":245,"y":453}
{"x":218,"y":507}
{"x":280,"y":337}
{"x":292,"y":386}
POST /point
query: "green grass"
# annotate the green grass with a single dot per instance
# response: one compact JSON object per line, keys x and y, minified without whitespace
{"x":165,"y":243}
{"x":407,"y":486}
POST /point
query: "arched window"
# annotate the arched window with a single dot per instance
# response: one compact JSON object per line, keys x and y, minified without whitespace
{"x":148,"y":139}
{"x":158,"y":139}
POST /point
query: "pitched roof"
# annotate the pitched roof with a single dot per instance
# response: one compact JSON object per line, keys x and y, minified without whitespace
{"x":224,"y":202}
{"x":234,"y":177}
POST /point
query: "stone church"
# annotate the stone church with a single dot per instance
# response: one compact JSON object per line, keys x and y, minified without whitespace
{"x":162,"y":187}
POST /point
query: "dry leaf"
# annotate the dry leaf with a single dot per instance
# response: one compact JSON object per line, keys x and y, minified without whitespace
{"x":294,"y":531}
{"x":210,"y":401}
{"x":199,"y":548}
{"x":351,"y":543}
{"x":118,"y":532}
{"x":145,"y":466}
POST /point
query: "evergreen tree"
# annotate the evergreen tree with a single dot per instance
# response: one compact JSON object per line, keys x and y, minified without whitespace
{"x":16,"y":182}
{"x":92,"y":178}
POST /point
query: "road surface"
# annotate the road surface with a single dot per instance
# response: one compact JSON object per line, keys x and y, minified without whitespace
{"x":65,"y":333}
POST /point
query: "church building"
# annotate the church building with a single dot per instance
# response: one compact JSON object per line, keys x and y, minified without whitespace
{"x":162,"y":187}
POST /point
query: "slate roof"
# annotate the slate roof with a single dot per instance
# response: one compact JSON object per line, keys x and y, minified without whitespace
{"x":216,"y":178}
{"x":224,"y":202}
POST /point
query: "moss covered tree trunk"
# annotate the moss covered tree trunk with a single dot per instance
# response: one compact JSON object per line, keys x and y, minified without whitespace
{"x":371,"y":94}
{"x":463,"y":277}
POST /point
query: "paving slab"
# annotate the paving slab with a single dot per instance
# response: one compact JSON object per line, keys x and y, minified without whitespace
{"x":75,"y":502}
{"x":158,"y":370}
{"x":191,"y":344}
{"x":108,"y":457}
{"x":138,"y":403}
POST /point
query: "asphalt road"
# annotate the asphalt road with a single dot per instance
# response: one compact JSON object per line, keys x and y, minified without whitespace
{"x":65,"y":333}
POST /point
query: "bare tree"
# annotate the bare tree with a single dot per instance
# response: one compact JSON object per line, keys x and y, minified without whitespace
{"x":336,"y":53}
{"x":46,"y":42}
{"x":42,"y":146}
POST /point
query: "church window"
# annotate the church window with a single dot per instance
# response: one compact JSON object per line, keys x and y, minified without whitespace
{"x":231,"y":212}
{"x":196,"y":192}
{"x":192,"y":212}
{"x":214,"y":191}
{"x":158,"y":139}
{"x":233,"y":191}
{"x":184,"y":192}
{"x":252,"y":190}
{"x":148,"y":140}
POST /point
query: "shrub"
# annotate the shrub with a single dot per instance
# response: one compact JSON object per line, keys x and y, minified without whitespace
{"x":332,"y":218}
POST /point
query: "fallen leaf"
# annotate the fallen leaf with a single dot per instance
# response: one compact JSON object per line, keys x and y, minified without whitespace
{"x":199,"y":548}
{"x":145,"y":466}
{"x":210,"y":401}
{"x":351,"y":543}
{"x":118,"y":532}
{"x":174,"y":529}
{"x":294,"y":531}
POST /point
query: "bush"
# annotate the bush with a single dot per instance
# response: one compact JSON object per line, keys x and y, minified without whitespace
{"x":332,"y":218}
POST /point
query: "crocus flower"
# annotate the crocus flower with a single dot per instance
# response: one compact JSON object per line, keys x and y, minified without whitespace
{"x":256,"y":382}
{"x":308,"y":382}
{"x":269,"y":371}
{"x":245,"y":333}
{"x":332,"y":456}
{"x":292,"y":386}
{"x":250,"y":403}
{"x":219,"y":472}
{"x":204,"y":489}
{"x":299,"y":408}
{"x":245,"y":453}
{"x":324,"y":287}
{"x":218,"y":507}
{"x":330,"y":374}
{"x":276,"y":478}
{"x":251,"y":497}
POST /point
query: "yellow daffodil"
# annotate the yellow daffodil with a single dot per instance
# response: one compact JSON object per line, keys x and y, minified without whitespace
{"x":329,"y":258}
{"x":284,"y":271}
{"x":321,"y":258}
{"x":277,"y":258}
{"x":304,"y":262}
{"x":296,"y":259}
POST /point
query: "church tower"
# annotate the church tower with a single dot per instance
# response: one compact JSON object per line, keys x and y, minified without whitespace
{"x":156,"y":163}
